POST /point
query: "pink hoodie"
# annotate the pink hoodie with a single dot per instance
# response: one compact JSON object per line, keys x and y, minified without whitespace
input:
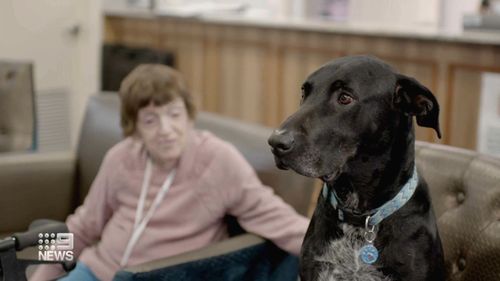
{"x":212,"y":179}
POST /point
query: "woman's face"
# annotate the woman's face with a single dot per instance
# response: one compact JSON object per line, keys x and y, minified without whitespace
{"x":164,"y":130}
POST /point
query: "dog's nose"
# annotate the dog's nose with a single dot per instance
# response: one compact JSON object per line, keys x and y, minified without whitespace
{"x":281,"y":142}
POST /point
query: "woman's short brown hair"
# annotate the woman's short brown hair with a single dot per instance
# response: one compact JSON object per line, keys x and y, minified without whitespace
{"x":151,"y":83}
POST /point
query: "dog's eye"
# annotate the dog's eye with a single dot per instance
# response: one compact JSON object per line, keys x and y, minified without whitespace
{"x":345,"y":99}
{"x":305,"y":89}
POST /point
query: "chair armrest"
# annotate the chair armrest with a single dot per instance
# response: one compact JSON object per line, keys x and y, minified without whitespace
{"x":216,"y":249}
{"x":35,"y":185}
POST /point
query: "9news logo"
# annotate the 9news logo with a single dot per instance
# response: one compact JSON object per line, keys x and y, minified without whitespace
{"x":55,"y":246}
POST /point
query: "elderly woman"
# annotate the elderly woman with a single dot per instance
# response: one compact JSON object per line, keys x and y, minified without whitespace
{"x":166,"y":187}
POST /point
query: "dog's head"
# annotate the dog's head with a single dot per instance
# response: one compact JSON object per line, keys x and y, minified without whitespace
{"x":350,"y":105}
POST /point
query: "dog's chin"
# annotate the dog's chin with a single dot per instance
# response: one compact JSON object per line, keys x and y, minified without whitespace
{"x":331,"y":175}
{"x":327,"y":177}
{"x":284,"y":165}
{"x":281,"y":165}
{"x":307,"y":171}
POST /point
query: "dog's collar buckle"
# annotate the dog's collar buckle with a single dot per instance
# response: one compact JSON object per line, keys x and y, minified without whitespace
{"x":346,"y":214}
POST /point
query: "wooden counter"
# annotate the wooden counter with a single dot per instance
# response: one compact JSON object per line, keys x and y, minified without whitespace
{"x":253,"y":70}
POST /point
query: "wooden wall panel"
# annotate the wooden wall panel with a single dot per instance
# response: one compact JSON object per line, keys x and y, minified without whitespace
{"x":229,"y":80}
{"x":190,"y":63}
{"x":465,"y":103}
{"x":251,"y":89}
{"x":140,"y":33}
{"x":112,"y":29}
{"x":273,"y":88}
{"x":168,"y":36}
{"x":211,"y":74}
{"x":294,"y":73}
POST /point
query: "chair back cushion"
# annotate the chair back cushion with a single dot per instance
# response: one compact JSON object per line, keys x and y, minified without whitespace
{"x":465,"y":191}
{"x":100,"y":131}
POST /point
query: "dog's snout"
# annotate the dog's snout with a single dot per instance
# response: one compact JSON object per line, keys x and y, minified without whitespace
{"x":281,"y":142}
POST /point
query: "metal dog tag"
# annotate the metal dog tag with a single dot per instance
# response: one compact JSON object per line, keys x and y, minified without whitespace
{"x":368,"y":253}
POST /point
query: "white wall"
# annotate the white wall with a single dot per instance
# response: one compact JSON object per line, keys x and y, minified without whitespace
{"x":39,"y":31}
{"x":452,"y":11}
{"x":395,"y":13}
{"x":87,"y":68}
{"x":430,"y":14}
{"x":445,"y":15}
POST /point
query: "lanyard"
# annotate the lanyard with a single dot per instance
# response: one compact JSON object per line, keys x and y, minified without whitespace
{"x":140,"y":224}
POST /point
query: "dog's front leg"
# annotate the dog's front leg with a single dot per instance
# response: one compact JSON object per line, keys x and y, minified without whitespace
{"x":321,"y":231}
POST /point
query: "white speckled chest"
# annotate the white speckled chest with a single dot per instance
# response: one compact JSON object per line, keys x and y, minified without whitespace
{"x":341,"y":260}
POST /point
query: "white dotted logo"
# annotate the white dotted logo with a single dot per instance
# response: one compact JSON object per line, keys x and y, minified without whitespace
{"x":55,"y":246}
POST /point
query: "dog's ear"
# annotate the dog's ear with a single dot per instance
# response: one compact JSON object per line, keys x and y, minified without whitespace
{"x":415,"y":99}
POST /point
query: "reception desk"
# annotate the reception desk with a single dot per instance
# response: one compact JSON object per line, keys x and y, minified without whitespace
{"x":252,"y":69}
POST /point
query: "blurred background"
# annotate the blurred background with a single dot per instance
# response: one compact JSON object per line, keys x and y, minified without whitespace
{"x":62,"y":61}
{"x":243,"y":59}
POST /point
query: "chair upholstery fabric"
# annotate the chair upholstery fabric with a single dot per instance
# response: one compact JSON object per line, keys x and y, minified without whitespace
{"x":465,"y":190}
{"x":100,"y":131}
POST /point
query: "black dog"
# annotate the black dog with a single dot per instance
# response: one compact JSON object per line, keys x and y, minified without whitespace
{"x":374,"y":219}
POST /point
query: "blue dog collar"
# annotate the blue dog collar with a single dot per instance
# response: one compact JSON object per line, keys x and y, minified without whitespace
{"x":384,"y":211}
{"x":369,"y":253}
